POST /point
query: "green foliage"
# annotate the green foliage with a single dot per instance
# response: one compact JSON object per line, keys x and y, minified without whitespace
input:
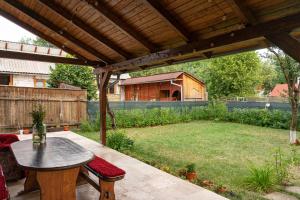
{"x":38,"y":115}
{"x":269,"y":76}
{"x":235,"y":75}
{"x":281,"y":167}
{"x":119,"y":141}
{"x":74,"y":75}
{"x":190,"y":168}
{"x":260,"y":179}
{"x":36,"y":41}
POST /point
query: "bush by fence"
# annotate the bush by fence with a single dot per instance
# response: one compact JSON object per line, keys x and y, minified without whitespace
{"x":215,"y":111}
{"x":93,"y":106}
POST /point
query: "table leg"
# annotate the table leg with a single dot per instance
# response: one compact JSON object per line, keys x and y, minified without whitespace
{"x":58,"y":185}
{"x":31,"y":183}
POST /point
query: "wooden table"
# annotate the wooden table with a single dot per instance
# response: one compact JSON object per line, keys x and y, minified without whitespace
{"x":53,"y":167}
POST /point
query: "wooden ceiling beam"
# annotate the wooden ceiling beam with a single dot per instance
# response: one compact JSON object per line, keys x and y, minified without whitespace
{"x":285,"y":24}
{"x":40,"y":34}
{"x":117,"y":21}
{"x":44,"y":21}
{"x":242,"y":11}
{"x":84,"y":27}
{"x":46,"y":58}
{"x":287,"y":43}
{"x":164,"y":15}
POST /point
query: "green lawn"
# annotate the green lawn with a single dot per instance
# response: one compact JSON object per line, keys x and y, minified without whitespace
{"x":223,"y":152}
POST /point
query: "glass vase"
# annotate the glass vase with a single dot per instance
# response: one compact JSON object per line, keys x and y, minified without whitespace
{"x":39,"y":136}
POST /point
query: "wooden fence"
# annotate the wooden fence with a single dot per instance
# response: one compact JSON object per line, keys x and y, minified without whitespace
{"x":62,"y":106}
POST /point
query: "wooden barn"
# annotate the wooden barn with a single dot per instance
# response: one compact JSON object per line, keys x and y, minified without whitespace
{"x":175,"y":86}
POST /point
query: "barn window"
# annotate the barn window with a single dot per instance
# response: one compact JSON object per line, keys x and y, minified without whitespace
{"x":4,"y":79}
{"x":39,"y":83}
{"x":164,"y":93}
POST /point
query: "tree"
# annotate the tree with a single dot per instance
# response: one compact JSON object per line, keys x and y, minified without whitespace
{"x":37,"y":41}
{"x":233,"y":76}
{"x":81,"y":76}
{"x":269,"y":76}
{"x":291,"y":72}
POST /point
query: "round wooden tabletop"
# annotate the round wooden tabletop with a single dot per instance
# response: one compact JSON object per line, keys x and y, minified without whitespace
{"x":57,"y":153}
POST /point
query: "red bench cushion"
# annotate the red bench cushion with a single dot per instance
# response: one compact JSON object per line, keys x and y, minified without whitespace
{"x":3,"y":189}
{"x":105,"y":168}
{"x":8,"y":138}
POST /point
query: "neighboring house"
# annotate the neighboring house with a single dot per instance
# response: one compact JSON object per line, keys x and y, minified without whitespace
{"x":280,"y":90}
{"x":279,"y":93}
{"x":175,"y":86}
{"x":114,"y":92}
{"x":24,"y":73}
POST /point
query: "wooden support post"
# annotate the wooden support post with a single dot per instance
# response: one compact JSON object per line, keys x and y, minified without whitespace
{"x":286,"y":43}
{"x":102,"y":82}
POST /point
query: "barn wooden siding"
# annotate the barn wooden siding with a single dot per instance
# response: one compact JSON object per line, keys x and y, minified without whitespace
{"x":193,"y":90}
{"x":62,"y":106}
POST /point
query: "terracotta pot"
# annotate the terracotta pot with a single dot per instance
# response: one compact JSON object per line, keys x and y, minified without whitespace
{"x":191,"y":176}
{"x":66,"y":128}
{"x":207,"y":183}
{"x":26,"y":130}
{"x":221,"y":189}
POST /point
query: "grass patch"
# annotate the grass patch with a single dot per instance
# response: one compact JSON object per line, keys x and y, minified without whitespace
{"x":223,"y":152}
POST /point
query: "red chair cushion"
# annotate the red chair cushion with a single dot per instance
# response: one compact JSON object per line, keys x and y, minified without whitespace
{"x":3,"y":188}
{"x":8,"y":138}
{"x":105,"y":168}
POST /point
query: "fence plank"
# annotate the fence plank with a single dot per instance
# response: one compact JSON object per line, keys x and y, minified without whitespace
{"x":62,"y":106}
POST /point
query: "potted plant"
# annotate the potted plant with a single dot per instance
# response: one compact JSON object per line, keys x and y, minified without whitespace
{"x":39,"y":128}
{"x":66,"y":128}
{"x":191,"y":172}
{"x":26,"y":130}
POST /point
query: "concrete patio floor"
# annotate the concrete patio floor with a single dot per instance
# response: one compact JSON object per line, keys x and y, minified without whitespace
{"x":141,"y":182}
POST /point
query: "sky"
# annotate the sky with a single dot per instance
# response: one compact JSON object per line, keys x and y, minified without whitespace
{"x":12,"y":32}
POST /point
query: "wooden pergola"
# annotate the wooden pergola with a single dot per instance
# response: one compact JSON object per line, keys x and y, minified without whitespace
{"x":118,"y":36}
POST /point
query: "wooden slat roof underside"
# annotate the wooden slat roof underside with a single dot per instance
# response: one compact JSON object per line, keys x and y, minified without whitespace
{"x":120,"y":34}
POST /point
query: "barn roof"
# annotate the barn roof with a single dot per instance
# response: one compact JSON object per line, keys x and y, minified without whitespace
{"x":129,"y":35}
{"x":156,"y":78}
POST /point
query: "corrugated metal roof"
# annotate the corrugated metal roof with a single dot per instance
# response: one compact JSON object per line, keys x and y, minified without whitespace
{"x":153,"y":78}
{"x":24,"y":66}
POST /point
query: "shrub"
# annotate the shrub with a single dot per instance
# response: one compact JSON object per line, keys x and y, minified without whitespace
{"x":214,"y":111}
{"x":260,"y":179}
{"x":190,"y":168}
{"x":119,"y":141}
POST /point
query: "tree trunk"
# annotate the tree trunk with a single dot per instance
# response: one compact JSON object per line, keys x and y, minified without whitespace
{"x":293,"y":125}
{"x":111,"y":114}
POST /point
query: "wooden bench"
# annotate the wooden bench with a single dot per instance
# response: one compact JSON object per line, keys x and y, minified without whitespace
{"x":107,"y":173}
{"x":4,"y":195}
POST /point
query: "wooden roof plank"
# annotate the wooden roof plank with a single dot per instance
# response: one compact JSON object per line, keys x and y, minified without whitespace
{"x":155,"y":6}
{"x":242,"y":11}
{"x":85,"y":27}
{"x":285,"y":24}
{"x":56,"y":29}
{"x":121,"y":24}
{"x":287,"y":43}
